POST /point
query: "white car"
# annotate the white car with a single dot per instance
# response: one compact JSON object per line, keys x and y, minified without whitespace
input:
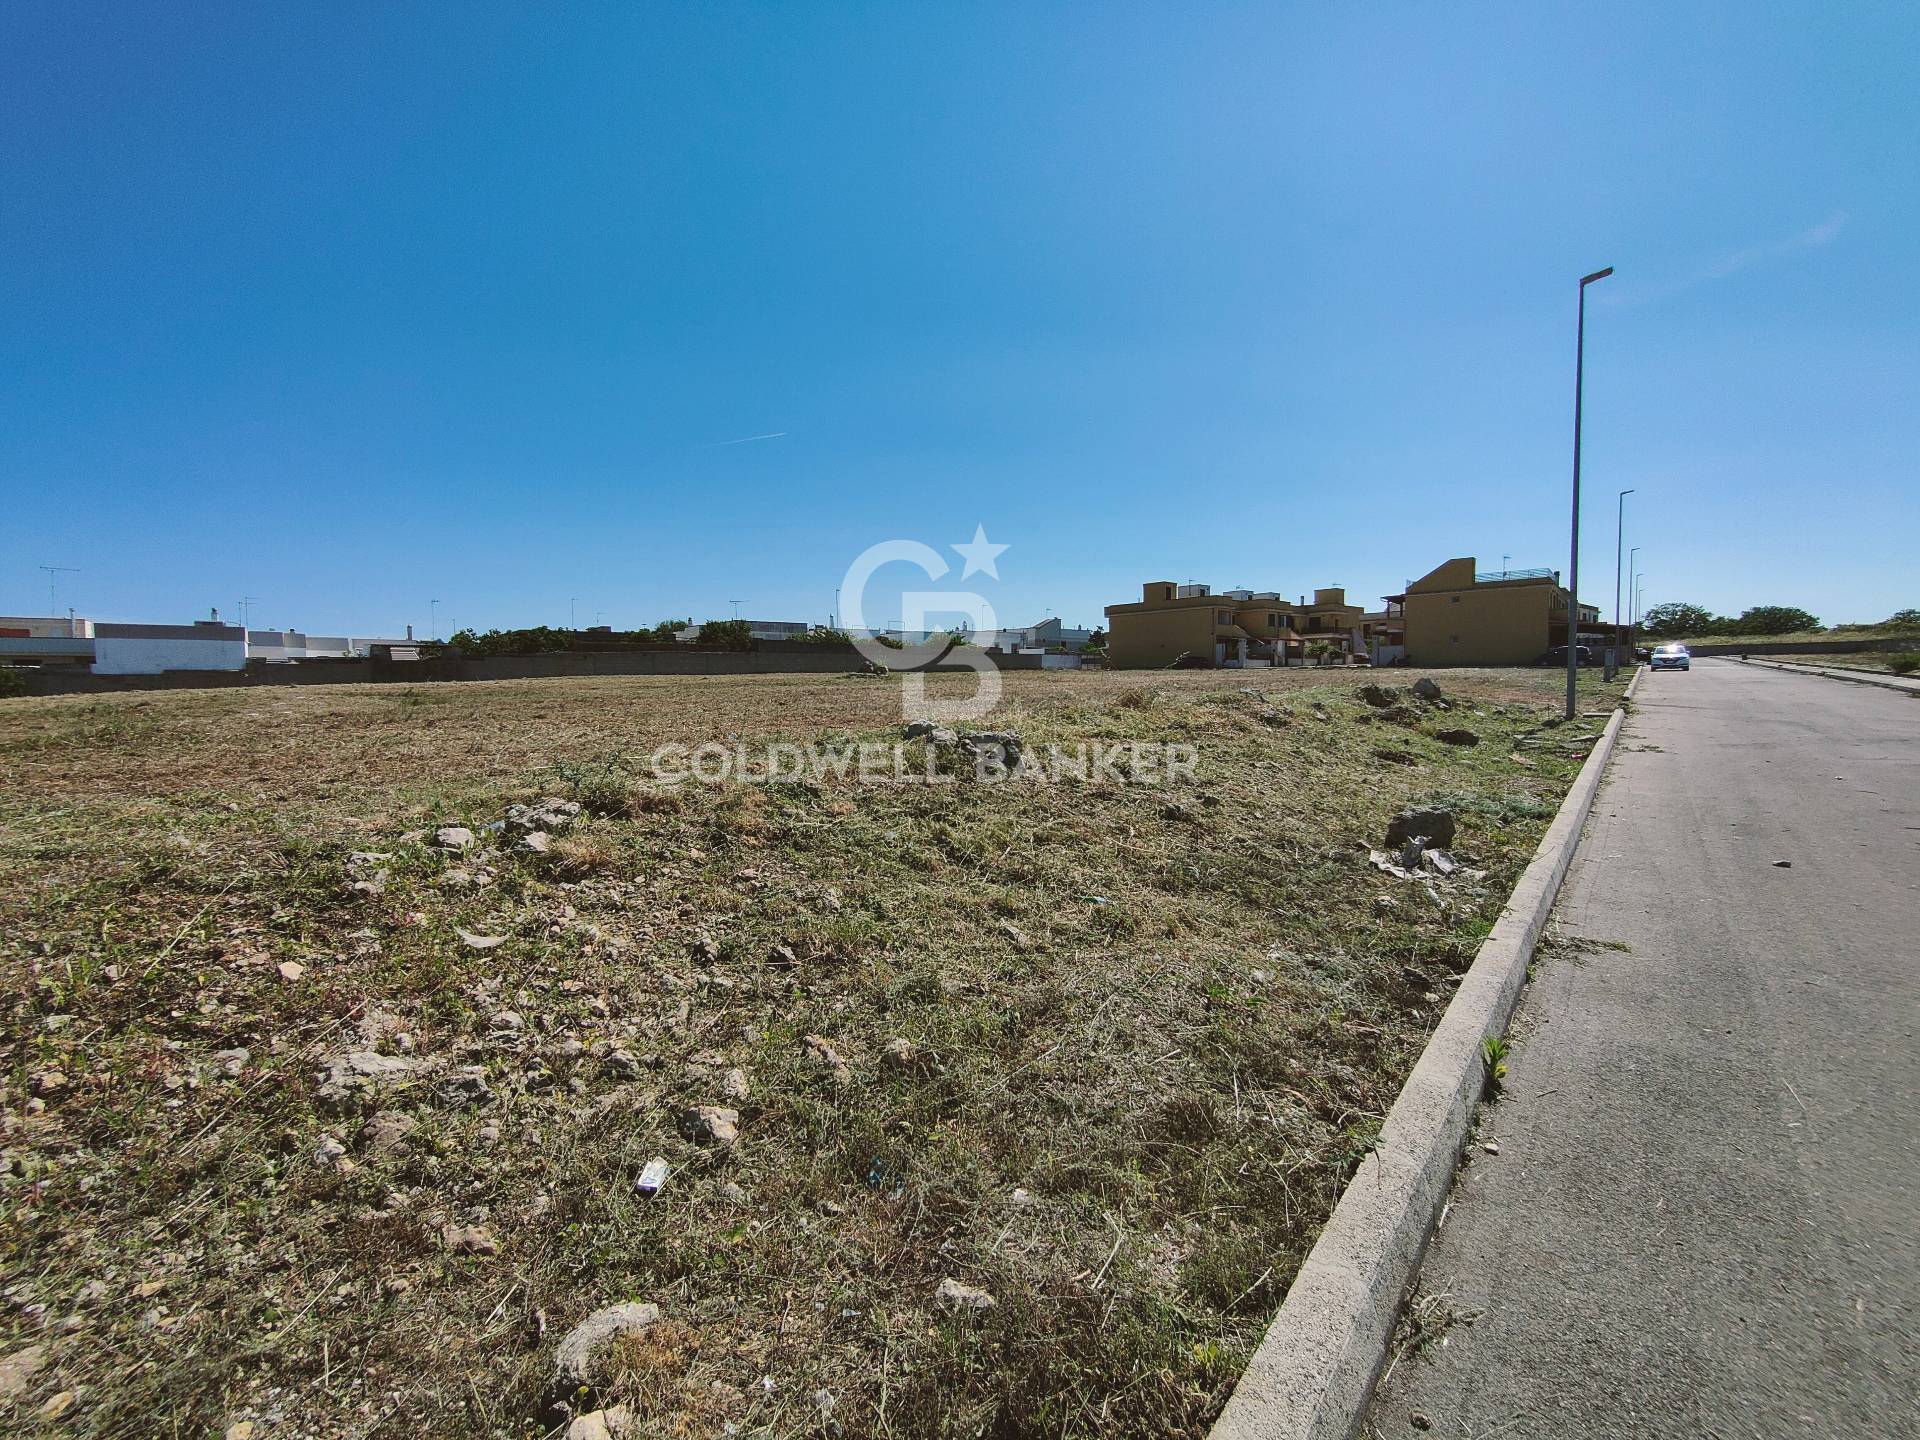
{"x":1673,"y":657}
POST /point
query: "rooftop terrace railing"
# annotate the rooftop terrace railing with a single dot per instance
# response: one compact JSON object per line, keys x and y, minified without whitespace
{"x":1540,"y":573}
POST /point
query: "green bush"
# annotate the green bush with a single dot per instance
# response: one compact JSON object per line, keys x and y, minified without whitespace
{"x":536,"y":641}
{"x":733,"y":634}
{"x":11,"y":681}
{"x":1903,"y":664}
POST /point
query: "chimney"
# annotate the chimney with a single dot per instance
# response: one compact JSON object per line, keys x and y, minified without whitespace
{"x":409,"y":632}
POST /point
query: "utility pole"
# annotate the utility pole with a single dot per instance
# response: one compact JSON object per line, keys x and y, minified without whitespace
{"x":1619,"y":535}
{"x":1573,"y":562}
{"x":54,"y":572}
{"x":572,"y":600}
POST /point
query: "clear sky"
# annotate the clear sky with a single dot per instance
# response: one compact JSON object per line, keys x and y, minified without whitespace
{"x":350,"y":307}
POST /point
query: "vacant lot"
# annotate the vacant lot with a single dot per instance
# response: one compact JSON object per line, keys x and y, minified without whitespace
{"x":1105,"y":1052}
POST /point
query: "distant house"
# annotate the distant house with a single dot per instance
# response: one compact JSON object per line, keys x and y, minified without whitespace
{"x":45,"y":640}
{"x":279,"y":646}
{"x":1232,"y":628}
{"x":757,"y":629}
{"x":1455,"y":615}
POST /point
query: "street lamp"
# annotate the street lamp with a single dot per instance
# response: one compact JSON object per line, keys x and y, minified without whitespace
{"x":1619,"y":533}
{"x":433,"y":618}
{"x":1573,"y":563}
{"x":1633,"y":593}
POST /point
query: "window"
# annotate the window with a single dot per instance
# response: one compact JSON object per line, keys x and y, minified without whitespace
{"x":1454,"y":598}
{"x":1223,"y":617}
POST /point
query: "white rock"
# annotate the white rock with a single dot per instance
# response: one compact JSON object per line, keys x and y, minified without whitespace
{"x":953,"y":1295}
{"x":453,"y":837}
{"x":388,"y":1128}
{"x":329,"y":1152}
{"x":710,"y":1122}
{"x":614,"y":1423}
{"x":576,"y":1362}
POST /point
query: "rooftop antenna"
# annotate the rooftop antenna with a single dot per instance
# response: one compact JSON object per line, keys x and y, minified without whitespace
{"x":433,"y":619}
{"x":736,"y":608}
{"x":54,"y":572}
{"x":245,"y":601}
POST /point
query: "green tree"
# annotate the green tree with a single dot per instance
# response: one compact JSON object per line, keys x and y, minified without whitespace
{"x":1677,"y":618}
{"x":1905,"y":619}
{"x":733,"y":634}
{"x":1773,"y":620}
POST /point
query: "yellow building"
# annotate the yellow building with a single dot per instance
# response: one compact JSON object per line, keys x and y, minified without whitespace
{"x":1234,"y":627}
{"x":1457,"y":616}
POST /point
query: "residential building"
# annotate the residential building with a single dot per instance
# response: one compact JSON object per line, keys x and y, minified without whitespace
{"x":279,"y":646}
{"x":1232,"y":628}
{"x":1053,"y":633}
{"x":44,"y":627}
{"x":1455,"y":615}
{"x":45,"y":640}
{"x":1169,"y":621}
{"x":1383,"y":633}
{"x":757,"y":629}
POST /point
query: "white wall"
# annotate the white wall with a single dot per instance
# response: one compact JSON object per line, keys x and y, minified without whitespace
{"x":148,"y":655}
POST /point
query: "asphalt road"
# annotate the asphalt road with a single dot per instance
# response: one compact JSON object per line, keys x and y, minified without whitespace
{"x":1703,"y":1218}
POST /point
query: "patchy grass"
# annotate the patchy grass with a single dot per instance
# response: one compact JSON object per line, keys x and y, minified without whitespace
{"x":1881,"y":662}
{"x":1149,"y":1036}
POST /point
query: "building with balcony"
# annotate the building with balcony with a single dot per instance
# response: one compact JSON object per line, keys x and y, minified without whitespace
{"x":1232,"y":628}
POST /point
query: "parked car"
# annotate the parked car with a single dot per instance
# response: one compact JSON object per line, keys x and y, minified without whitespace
{"x":1672,"y":657}
{"x":1558,"y":656}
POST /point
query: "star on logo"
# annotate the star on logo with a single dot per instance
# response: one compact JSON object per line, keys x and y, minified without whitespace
{"x":979,"y":553}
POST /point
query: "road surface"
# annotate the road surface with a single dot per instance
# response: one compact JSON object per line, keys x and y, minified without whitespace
{"x":1703,"y":1216}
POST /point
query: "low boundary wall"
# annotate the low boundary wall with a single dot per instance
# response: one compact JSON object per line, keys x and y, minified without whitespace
{"x":812,"y":660}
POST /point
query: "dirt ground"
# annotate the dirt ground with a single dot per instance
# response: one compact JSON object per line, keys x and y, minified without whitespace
{"x":316,"y":1126}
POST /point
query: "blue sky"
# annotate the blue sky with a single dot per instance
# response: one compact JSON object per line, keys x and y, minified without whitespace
{"x":353,"y":307}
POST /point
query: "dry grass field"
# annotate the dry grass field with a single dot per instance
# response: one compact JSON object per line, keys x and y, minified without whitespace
{"x":1105,"y":1052}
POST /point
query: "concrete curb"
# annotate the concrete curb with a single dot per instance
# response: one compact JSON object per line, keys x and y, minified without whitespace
{"x":1312,"y":1376}
{"x":1879,"y":682}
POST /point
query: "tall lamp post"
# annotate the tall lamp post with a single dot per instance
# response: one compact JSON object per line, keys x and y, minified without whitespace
{"x":1619,"y":535}
{"x":1633,"y":587}
{"x":1573,"y":563}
